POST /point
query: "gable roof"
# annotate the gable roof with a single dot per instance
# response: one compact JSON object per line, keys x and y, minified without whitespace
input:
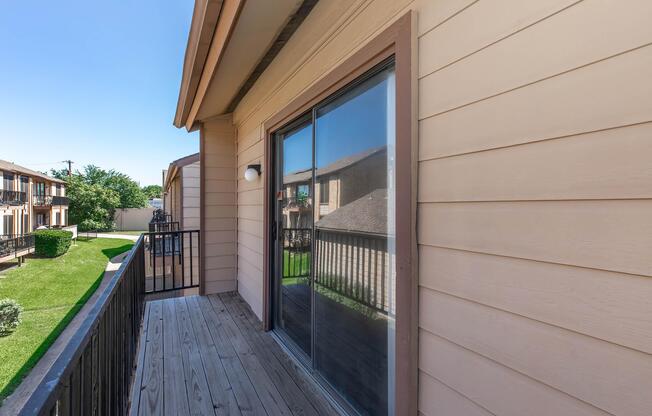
{"x":367,"y":214}
{"x":338,"y":165}
{"x":176,"y":165}
{"x":12,"y":167}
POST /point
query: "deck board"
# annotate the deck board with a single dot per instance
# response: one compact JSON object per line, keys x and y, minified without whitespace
{"x":208,"y":355}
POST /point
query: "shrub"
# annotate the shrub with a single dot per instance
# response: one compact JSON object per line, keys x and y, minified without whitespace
{"x":10,"y":312}
{"x":52,"y":243}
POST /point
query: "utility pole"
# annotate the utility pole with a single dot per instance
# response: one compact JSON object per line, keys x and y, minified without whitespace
{"x":69,"y":162}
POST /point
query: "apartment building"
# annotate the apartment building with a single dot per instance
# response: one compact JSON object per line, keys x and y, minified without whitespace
{"x":181,"y":191}
{"x":30,"y":199}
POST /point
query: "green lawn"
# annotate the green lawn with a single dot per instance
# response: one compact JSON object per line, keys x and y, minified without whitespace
{"x":295,"y":263}
{"x":51,"y":292}
{"x":126,"y":232}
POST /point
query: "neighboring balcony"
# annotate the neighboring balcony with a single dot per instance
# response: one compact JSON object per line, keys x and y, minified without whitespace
{"x":40,"y":200}
{"x":12,"y":198}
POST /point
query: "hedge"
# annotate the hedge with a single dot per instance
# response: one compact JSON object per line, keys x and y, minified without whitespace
{"x":52,"y":243}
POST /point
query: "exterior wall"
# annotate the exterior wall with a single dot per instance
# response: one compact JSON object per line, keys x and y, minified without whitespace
{"x":173,"y":194}
{"x":218,"y":228}
{"x":133,"y":219}
{"x":534,"y":196}
{"x":189,"y":197}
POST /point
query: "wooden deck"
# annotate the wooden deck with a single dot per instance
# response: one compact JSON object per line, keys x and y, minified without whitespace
{"x":208,"y":355}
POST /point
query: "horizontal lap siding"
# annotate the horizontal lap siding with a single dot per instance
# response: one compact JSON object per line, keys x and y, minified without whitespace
{"x":219,"y":200}
{"x":331,"y":33}
{"x":533,"y":220}
{"x":534,"y":207}
{"x":190,"y":194}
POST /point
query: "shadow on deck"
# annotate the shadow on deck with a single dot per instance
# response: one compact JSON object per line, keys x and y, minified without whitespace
{"x":208,"y":355}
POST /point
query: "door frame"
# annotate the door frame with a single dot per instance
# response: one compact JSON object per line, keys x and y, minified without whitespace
{"x":397,"y":40}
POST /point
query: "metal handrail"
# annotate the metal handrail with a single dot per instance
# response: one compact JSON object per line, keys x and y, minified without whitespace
{"x":94,"y":371}
{"x":13,"y":197}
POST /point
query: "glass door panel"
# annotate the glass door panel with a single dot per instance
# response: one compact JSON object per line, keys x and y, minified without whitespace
{"x":334,"y":256}
{"x":354,"y":288}
{"x":294,"y":253}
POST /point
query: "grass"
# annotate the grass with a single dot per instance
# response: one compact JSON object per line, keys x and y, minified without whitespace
{"x":297,"y":261}
{"x":52,"y":291}
{"x":126,"y":232}
{"x":302,"y":261}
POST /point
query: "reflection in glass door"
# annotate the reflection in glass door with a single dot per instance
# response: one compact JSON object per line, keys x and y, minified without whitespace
{"x":294,"y":248}
{"x":335,"y":251}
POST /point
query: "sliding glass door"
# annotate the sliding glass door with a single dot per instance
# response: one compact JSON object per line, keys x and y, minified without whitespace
{"x":334,"y":256}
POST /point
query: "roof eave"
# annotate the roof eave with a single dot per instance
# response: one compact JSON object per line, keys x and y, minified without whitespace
{"x":204,"y":22}
{"x":209,"y":35}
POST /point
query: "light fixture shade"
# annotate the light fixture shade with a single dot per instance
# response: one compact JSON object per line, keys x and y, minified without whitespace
{"x":252,"y":173}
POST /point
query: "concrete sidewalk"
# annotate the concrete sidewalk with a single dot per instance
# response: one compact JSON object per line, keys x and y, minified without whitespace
{"x":122,"y":236}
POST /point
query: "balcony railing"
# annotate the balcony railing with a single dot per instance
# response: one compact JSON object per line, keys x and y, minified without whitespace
{"x":13,"y":197}
{"x":14,"y":244}
{"x":93,"y":373}
{"x":157,"y":227}
{"x":40,"y":200}
{"x":95,"y":370}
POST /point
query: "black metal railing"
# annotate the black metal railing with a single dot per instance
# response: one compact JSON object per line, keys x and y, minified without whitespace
{"x":13,"y":244}
{"x":172,"y":260}
{"x":160,"y":215}
{"x":296,"y":252}
{"x":60,"y":201}
{"x":93,"y":373}
{"x":41,"y":199}
{"x":354,"y":265}
{"x":298,"y":202}
{"x":13,"y":197}
{"x":46,"y":200}
{"x":157,"y":227}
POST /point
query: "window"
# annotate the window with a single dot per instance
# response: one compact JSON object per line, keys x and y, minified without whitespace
{"x":57,"y":219}
{"x":8,"y":181}
{"x":324,"y":187}
{"x":39,"y":188}
{"x":24,"y":184}
{"x":8,"y":224}
{"x":25,"y":223}
{"x":58,"y":186}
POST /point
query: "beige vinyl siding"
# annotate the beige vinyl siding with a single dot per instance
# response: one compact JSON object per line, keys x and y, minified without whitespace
{"x":534,"y":195}
{"x":219,"y":226}
{"x":190,"y":196}
{"x":534,"y":225}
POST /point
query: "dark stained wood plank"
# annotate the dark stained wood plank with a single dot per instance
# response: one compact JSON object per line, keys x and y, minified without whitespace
{"x":151,"y":394}
{"x":269,"y":395}
{"x":244,"y":391}
{"x":175,"y":398}
{"x":294,"y":397}
{"x":140,"y":362}
{"x":297,"y":373}
{"x":224,"y":401}
{"x":199,"y":397}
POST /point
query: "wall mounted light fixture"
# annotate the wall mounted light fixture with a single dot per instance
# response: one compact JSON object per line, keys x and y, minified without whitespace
{"x":252,"y":173}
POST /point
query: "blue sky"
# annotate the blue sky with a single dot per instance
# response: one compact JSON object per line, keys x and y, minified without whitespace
{"x":352,"y":124}
{"x":95,"y":82}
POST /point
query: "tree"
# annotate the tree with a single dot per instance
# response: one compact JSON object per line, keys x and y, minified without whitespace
{"x":153,"y":191}
{"x":92,"y":206}
{"x":95,"y":194}
{"x":131,"y":196}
